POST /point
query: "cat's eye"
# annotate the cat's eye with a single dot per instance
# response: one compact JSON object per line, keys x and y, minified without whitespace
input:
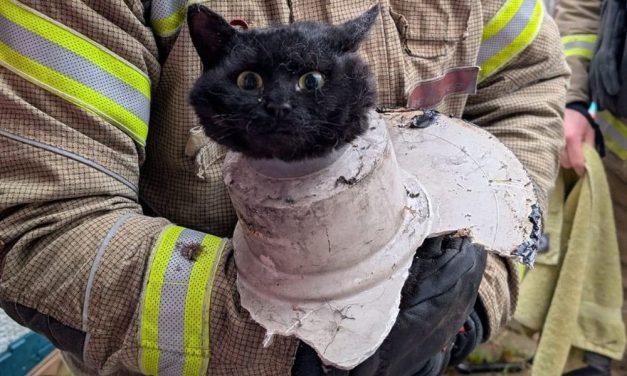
{"x":248,"y":80}
{"x":310,"y":81}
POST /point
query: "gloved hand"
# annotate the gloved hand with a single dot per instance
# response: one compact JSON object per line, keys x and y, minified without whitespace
{"x":469,"y":336}
{"x":605,"y":69}
{"x":437,"y":299}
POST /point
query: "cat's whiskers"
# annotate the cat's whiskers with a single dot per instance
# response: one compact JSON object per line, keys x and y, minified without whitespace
{"x":222,"y":134}
{"x":248,"y":125}
{"x":222,"y":118}
{"x":335,"y":124}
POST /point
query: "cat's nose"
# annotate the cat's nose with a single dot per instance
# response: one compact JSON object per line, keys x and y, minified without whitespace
{"x":278,"y":110}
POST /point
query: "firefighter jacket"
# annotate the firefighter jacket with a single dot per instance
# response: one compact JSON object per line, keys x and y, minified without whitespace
{"x":578,"y":22}
{"x":114,"y":218}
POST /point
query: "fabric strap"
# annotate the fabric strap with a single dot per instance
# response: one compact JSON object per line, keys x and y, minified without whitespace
{"x":174,"y":328}
{"x":509,"y":32}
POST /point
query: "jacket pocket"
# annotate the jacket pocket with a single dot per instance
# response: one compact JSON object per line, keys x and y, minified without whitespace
{"x":431,"y":28}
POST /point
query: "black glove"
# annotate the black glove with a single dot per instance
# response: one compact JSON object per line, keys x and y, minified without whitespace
{"x":437,"y":299}
{"x":469,"y":336}
{"x":605,"y":69}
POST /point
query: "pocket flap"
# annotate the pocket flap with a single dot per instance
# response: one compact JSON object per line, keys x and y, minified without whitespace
{"x":432,"y":19}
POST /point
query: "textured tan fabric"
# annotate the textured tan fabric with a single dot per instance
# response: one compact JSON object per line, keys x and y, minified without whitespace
{"x":522,"y":106}
{"x":231,"y":318}
{"x":55,"y":211}
{"x":578,"y":17}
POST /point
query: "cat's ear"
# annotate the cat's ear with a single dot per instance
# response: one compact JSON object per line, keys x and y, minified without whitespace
{"x":353,"y":32}
{"x":210,"y":33}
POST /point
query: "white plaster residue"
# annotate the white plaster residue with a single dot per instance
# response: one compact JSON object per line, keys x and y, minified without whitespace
{"x":323,"y":247}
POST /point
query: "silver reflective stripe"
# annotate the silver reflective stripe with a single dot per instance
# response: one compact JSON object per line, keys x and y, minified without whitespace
{"x":579,"y":44}
{"x":172,"y":308}
{"x":92,"y":273}
{"x":161,"y":9}
{"x":507,"y":35}
{"x":614,"y":134}
{"x":74,"y":66}
{"x":70,"y":155}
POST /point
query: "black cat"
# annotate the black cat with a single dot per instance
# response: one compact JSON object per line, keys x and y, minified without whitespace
{"x":288,"y":92}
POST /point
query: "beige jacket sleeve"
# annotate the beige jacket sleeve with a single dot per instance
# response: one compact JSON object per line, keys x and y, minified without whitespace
{"x":75,"y":246}
{"x":578,"y":18}
{"x":522,"y":105}
{"x":119,"y":291}
{"x":74,"y":243}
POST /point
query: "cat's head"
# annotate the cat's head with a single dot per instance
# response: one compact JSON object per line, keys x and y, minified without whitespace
{"x":287,"y":92}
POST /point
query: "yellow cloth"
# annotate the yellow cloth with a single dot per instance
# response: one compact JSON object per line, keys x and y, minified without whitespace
{"x":574,"y":294}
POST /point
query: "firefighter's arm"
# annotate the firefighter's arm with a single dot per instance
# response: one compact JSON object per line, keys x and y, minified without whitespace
{"x":578,"y":23}
{"x":80,"y":263}
{"x":520,"y":100}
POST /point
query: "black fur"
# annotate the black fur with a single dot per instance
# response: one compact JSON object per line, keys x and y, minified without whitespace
{"x":280,"y":121}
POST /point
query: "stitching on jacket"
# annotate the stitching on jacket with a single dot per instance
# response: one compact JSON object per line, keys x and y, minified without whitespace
{"x":70,"y":155}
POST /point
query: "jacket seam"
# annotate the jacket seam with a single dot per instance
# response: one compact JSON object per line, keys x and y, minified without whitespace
{"x":92,"y":274}
{"x":72,"y":156}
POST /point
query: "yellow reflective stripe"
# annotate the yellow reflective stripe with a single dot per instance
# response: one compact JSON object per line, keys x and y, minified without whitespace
{"x":197,"y":307}
{"x":149,"y":327}
{"x":614,"y":133}
{"x":522,"y":41}
{"x":74,"y":92}
{"x":579,"y":45}
{"x":175,"y":311}
{"x":583,"y":52}
{"x":615,"y":147}
{"x":588,"y":38}
{"x":501,"y":19}
{"x":53,"y":31}
{"x":169,"y":25}
{"x":615,"y":122}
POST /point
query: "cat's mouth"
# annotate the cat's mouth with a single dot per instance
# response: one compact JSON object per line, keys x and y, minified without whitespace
{"x":276,"y":144}
{"x":277,"y":127}
{"x":285,"y":137}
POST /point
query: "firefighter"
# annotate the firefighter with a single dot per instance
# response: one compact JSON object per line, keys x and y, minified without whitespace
{"x":105,"y":193}
{"x":593,"y":36}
